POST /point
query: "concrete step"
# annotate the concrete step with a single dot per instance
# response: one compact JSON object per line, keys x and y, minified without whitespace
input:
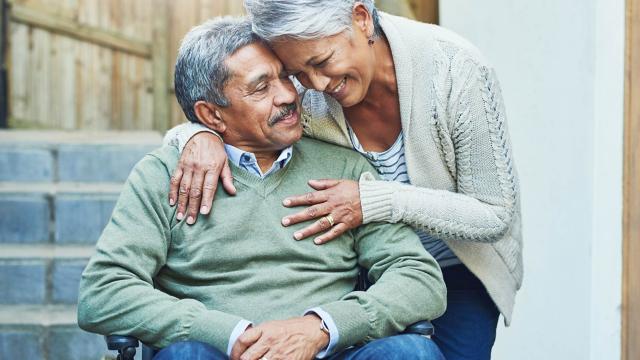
{"x":47,"y":332}
{"x":50,"y":156}
{"x":41,"y":274}
{"x":62,"y":213}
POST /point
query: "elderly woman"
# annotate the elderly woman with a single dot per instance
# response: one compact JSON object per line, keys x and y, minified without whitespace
{"x":424,"y":107}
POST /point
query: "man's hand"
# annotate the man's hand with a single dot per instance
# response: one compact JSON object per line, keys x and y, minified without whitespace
{"x":294,"y":339}
{"x":195,"y":179}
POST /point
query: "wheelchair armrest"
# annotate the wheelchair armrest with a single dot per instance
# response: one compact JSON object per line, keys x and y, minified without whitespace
{"x":424,"y":328}
{"x":125,"y":345}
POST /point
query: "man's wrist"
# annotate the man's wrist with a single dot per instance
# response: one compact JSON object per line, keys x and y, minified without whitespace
{"x":208,"y":134}
{"x":242,"y":326}
{"x":321,"y":333}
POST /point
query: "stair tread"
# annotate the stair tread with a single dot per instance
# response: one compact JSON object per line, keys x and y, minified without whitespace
{"x":80,"y":137}
{"x":60,"y":187}
{"x":45,"y":251}
{"x":43,"y":315}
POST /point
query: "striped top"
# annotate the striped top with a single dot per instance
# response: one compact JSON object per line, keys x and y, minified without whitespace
{"x":392,"y":166}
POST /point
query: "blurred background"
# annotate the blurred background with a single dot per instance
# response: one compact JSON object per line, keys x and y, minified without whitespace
{"x":108,"y":64}
{"x":86,"y":90}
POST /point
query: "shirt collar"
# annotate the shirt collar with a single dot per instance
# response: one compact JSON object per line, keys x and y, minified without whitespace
{"x":247,"y":160}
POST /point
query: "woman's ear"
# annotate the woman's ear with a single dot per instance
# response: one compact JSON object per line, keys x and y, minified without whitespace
{"x":362,"y":18}
{"x":210,"y":116}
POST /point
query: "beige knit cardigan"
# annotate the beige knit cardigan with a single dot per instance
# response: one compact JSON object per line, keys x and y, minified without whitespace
{"x":464,"y":186}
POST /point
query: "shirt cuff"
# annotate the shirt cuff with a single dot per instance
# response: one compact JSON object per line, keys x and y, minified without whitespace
{"x":334,"y":336}
{"x":240,"y":328}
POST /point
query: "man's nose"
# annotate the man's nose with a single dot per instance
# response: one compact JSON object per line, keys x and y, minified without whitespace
{"x":286,"y":94}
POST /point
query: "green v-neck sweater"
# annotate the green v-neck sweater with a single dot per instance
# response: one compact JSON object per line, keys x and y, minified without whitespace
{"x":164,"y":281}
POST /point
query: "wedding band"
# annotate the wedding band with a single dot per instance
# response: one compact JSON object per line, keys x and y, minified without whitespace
{"x":329,"y":220}
{"x":263,"y":358}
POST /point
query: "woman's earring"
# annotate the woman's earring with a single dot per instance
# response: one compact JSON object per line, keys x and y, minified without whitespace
{"x":371,"y":41}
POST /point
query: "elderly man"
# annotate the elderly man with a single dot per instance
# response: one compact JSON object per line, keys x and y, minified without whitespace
{"x":234,"y":286}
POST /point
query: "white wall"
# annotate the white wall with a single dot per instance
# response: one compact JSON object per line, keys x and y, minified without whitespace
{"x":561,"y":67}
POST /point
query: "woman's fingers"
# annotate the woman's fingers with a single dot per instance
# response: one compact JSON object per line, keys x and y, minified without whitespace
{"x":210,"y":186}
{"x":310,"y":213}
{"x":202,"y":164}
{"x":311,"y":198}
{"x":335,"y":231}
{"x":208,"y":192}
{"x":195,"y":196}
{"x":319,"y":226}
{"x":323,"y":184}
{"x":174,"y":185}
{"x":340,"y":198}
{"x":227,"y":180}
{"x":183,"y":193}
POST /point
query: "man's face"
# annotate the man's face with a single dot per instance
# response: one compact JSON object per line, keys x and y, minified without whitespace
{"x":264,"y":112}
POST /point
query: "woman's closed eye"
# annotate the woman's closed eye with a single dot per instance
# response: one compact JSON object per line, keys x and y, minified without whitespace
{"x":322,"y":63}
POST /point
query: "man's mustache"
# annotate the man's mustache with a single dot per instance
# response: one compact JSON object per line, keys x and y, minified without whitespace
{"x":282,"y":113}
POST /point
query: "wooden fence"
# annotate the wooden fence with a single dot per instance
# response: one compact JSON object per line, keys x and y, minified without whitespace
{"x":108,"y":64}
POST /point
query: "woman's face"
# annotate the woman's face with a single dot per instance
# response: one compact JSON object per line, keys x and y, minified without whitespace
{"x":342,"y":65}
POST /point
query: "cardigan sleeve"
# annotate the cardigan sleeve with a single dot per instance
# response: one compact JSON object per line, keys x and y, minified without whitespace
{"x":180,"y":135}
{"x":482,"y":209}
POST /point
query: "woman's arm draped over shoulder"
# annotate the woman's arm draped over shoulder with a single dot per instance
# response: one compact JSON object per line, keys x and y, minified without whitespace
{"x":483,"y":208}
{"x":203,"y":162}
{"x":180,"y":135}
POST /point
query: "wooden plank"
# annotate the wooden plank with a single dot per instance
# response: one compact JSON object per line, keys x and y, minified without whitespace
{"x":184,"y":16}
{"x":105,"y":68}
{"x":4,"y":88}
{"x":160,"y":63}
{"x":69,"y":27}
{"x":40,"y":79}
{"x":425,"y":10}
{"x":236,"y":8}
{"x":631,"y":221}
{"x":400,"y":8}
{"x":66,"y":85}
{"x":18,"y":72}
{"x":145,"y":95}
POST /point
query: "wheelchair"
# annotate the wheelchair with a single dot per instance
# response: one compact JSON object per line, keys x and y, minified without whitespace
{"x":126,"y":345}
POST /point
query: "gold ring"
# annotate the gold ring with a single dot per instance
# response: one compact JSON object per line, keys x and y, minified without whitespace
{"x":330,"y":220}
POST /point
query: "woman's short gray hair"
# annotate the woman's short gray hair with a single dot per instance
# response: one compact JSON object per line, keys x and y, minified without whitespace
{"x":305,"y":19}
{"x":200,"y":72}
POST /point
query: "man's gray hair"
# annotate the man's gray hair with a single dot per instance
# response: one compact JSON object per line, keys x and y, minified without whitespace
{"x":305,"y":19}
{"x":201,"y":72}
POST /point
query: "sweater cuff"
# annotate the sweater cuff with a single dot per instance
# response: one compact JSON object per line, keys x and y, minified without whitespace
{"x":215,"y":328}
{"x":351,"y":320}
{"x":376,"y":199}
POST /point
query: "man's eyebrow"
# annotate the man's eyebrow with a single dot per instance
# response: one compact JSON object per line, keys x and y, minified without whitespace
{"x":255,"y":80}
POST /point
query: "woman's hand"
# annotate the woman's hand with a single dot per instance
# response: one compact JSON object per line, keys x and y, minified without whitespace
{"x":337,"y":200}
{"x":195,"y":180}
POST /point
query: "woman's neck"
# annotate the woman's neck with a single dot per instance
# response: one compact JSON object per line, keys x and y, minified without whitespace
{"x":383,"y":84}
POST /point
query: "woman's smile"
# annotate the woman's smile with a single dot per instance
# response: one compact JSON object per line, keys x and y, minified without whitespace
{"x":339,"y":91}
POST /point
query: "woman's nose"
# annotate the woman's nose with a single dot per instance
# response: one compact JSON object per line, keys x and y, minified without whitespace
{"x":319,"y":81}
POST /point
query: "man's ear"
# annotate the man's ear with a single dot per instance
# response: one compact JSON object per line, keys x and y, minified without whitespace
{"x":210,"y":116}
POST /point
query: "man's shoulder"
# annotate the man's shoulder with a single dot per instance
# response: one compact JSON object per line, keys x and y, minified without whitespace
{"x":155,"y":167}
{"x":167,"y":155}
{"x":331,"y":160}
{"x":323,"y":150}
